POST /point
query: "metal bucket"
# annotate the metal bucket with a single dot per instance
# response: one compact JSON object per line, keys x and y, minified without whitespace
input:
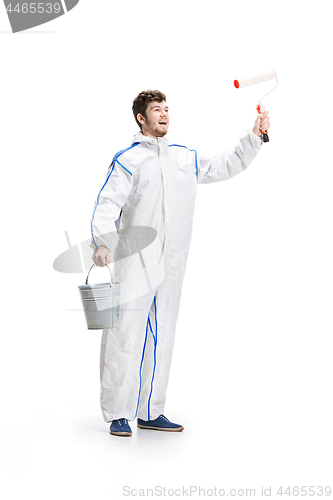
{"x":101,"y":303}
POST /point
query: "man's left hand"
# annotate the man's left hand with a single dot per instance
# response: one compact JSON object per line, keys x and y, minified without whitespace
{"x":261,"y":124}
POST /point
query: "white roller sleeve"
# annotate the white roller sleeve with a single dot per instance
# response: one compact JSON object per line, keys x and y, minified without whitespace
{"x":244,"y":82}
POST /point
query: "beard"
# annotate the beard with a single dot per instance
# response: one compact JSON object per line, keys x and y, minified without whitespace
{"x":161,"y":133}
{"x":157,"y":131}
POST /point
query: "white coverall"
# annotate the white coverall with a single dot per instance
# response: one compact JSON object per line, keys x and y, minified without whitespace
{"x":152,"y":183}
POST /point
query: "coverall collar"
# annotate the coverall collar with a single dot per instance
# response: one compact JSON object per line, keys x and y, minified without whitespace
{"x":139,"y":137}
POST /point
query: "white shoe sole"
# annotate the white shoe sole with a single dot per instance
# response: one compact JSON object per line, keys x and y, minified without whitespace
{"x":177,"y":429}
{"x":122,"y":434}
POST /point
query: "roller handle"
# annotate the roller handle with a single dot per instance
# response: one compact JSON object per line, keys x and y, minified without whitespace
{"x":265,"y":137}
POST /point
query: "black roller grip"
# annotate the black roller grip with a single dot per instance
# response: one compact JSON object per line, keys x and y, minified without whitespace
{"x":265,"y":137}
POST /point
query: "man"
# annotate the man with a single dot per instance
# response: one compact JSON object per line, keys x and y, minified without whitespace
{"x":151,"y":184}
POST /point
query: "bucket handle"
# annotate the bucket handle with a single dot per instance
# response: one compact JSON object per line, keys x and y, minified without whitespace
{"x":111,"y":284}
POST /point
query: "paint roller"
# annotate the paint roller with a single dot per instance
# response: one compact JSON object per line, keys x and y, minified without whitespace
{"x":252,"y":80}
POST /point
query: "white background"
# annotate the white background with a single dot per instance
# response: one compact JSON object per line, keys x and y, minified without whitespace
{"x":251,"y":379}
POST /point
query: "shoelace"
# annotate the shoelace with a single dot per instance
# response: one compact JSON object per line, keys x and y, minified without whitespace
{"x":165,"y":418}
{"x":124,"y":421}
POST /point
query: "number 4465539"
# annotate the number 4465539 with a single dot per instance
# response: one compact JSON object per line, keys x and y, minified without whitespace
{"x":34,"y":8}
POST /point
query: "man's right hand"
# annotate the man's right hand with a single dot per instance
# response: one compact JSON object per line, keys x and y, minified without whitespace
{"x":101,"y":256}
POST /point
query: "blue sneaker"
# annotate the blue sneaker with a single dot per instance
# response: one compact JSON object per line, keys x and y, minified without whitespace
{"x":120,"y":427}
{"x":160,"y":423}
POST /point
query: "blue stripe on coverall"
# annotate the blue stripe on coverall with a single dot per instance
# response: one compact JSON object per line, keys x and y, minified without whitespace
{"x":155,"y":346}
{"x":143,"y":354}
{"x":115,"y":159}
{"x":195,"y":156}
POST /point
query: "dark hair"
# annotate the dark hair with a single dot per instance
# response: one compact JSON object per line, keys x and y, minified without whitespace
{"x":140,"y":103}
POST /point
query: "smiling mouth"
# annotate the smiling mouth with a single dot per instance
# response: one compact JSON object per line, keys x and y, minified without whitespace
{"x":162,"y":123}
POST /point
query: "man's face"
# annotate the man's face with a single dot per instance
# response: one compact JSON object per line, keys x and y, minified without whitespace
{"x":157,"y":122}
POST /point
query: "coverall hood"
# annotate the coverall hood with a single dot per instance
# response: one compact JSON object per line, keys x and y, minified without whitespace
{"x":139,"y":137}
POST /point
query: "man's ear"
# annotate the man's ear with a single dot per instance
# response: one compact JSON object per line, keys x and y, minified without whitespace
{"x":140,"y":118}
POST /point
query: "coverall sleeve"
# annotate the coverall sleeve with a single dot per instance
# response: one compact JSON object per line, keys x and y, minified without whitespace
{"x":230,"y":163}
{"x":109,"y":202}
